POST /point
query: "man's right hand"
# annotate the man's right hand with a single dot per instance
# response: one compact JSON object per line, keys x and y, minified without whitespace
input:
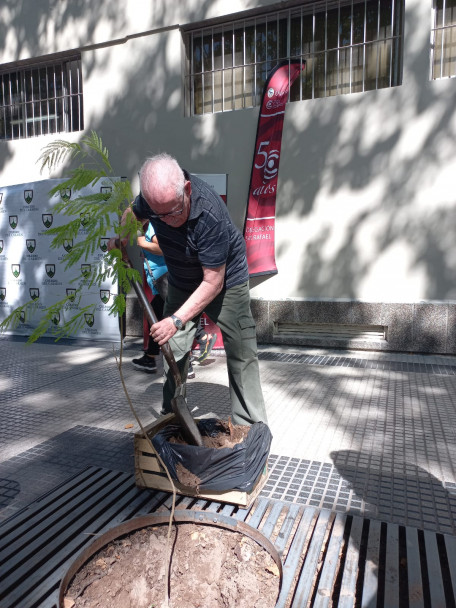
{"x":115,"y":243}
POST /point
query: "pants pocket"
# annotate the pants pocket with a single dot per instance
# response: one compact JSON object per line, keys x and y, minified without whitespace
{"x":248,"y":328}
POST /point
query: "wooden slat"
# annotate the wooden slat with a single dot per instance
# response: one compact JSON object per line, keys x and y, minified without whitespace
{"x":287,"y":526}
{"x":392,"y":566}
{"x":415,"y":583}
{"x":434,"y":570}
{"x":163,"y":484}
{"x":370,"y":583}
{"x":271,"y":521}
{"x":350,"y":575}
{"x":294,"y":554}
{"x":450,"y":546}
{"x":228,"y":511}
{"x":307,"y":575}
{"x":149,"y":462}
{"x":260,"y":509}
{"x":332,"y":559}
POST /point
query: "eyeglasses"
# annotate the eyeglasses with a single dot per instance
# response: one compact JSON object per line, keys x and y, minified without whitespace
{"x":172,"y":213}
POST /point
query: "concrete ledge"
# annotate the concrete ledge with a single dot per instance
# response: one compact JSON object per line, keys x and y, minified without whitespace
{"x":422,"y":327}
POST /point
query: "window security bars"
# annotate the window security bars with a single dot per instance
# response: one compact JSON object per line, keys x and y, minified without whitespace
{"x":443,"y":39}
{"x":41,"y":99}
{"x":349,"y":46}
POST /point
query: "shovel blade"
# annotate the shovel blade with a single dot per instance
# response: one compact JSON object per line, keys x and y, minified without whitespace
{"x":189,"y":429}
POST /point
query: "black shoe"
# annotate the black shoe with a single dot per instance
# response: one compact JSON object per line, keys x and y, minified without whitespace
{"x":206,"y":347}
{"x":146,"y":364}
{"x":164,"y":412}
{"x":190,"y":372}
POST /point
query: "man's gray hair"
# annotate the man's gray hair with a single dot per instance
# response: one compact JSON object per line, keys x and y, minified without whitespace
{"x":158,"y":171}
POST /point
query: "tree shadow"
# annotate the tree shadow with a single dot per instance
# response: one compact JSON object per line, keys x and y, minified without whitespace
{"x":369,"y":154}
{"x":415,"y":503}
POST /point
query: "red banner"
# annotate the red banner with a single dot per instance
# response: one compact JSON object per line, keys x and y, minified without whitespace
{"x":259,"y":225}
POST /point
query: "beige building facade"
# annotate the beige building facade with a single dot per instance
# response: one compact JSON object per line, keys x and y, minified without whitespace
{"x":365,"y":231}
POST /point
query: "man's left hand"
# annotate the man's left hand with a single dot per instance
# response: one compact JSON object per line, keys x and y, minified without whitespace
{"x":163,"y":331}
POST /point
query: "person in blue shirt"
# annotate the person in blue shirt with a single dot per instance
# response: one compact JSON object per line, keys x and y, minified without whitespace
{"x":156,"y":274}
{"x":156,"y":271}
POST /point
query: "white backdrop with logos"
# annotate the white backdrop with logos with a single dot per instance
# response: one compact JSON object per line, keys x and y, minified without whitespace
{"x":30,"y":269}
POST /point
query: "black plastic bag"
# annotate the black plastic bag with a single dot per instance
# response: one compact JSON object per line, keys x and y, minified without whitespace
{"x":219,"y":469}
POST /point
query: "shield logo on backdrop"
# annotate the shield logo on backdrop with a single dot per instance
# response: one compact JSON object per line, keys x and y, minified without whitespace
{"x":16,"y":270}
{"x":85,"y":218}
{"x":89,"y":319}
{"x":50,"y":270}
{"x":2,"y":293}
{"x":47,"y":219}
{"x":34,"y":293}
{"x":65,"y":194}
{"x":68,"y":244}
{"x":106,"y":192}
{"x":31,"y":245}
{"x":104,"y":244}
{"x":71,"y":294}
{"x":1,"y":245}
{"x":56,"y":318}
{"x":28,"y":196}
{"x":105,"y":294}
{"x":22,"y":316}
{"x":13,"y":221}
{"x":86,"y":269}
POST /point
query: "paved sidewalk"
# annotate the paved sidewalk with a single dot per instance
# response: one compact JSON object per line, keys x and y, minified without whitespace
{"x":358,"y":432}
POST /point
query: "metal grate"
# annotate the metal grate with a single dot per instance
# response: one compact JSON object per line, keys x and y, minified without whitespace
{"x":41,"y":98}
{"x":443,"y":55}
{"x":332,"y":331}
{"x":328,"y":558}
{"x":346,"y":46}
{"x":358,"y":362}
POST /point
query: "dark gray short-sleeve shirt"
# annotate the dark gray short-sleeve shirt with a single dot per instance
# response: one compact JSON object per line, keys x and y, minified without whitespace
{"x":209,"y":238}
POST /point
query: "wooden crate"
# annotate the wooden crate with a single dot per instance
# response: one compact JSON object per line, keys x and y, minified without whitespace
{"x":150,"y":474}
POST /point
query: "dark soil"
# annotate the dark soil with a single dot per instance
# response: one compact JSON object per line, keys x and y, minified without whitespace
{"x":228,"y":436}
{"x":210,"y":568}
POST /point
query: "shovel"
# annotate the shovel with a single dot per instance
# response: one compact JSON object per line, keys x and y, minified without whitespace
{"x":178,"y":402}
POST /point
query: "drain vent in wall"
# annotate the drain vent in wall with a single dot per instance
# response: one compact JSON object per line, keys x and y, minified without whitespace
{"x":332,"y":331}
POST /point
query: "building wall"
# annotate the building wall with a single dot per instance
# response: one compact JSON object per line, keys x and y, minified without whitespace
{"x":365,"y":200}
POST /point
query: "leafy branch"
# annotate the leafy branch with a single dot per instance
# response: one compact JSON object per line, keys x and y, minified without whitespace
{"x":98,"y":213}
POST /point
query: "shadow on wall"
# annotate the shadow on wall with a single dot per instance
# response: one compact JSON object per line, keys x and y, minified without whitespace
{"x":352,"y":143}
{"x":372,"y":154}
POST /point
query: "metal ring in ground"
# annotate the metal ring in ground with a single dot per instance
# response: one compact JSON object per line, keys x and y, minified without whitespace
{"x":180,"y":517}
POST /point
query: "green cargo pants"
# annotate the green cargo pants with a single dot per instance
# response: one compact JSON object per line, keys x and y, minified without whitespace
{"x":230,"y":310}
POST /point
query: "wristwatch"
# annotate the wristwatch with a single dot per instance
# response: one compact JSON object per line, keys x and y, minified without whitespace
{"x":177,"y":322}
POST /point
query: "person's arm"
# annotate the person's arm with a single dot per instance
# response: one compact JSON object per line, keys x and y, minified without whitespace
{"x":113,"y":241}
{"x":207,"y":290}
{"x":151,"y":246}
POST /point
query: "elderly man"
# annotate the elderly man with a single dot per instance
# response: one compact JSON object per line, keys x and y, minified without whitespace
{"x":207,"y":271}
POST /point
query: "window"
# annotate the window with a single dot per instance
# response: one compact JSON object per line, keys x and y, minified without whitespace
{"x":443,"y":63}
{"x":348,"y":46}
{"x":40,"y":99}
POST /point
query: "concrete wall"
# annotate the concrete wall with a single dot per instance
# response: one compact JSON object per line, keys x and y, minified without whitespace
{"x":365,"y":201}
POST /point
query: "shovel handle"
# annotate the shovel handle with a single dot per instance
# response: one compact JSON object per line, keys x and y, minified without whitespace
{"x":151,"y":317}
